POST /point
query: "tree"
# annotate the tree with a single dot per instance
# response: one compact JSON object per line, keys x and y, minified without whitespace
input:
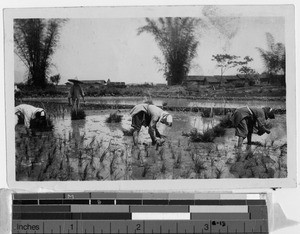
{"x":177,"y":41}
{"x":274,"y":56}
{"x":250,"y":74}
{"x":225,"y":62}
{"x":35,"y":43}
{"x":55,"y":79}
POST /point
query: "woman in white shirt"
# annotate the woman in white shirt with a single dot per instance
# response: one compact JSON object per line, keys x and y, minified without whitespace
{"x":27,"y":113}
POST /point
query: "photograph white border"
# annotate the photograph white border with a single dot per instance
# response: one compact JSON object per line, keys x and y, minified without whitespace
{"x":195,"y":185}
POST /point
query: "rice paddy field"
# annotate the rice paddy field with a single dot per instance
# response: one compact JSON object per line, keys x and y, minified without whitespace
{"x":96,"y":149}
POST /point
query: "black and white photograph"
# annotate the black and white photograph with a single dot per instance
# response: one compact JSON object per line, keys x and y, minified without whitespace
{"x":188,"y":93}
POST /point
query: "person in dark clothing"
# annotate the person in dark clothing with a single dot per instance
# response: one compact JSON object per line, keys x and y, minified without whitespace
{"x":246,"y":120}
{"x":148,"y":115}
{"x":75,"y":93}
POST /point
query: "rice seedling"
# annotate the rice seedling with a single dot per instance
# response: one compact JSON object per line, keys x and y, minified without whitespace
{"x":199,"y":166}
{"x":163,"y":168}
{"x":146,"y":169}
{"x":178,"y":160}
{"x":85,"y":172}
{"x":219,"y":172}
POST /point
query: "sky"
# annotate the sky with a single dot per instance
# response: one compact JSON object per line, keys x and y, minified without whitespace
{"x":109,"y":48}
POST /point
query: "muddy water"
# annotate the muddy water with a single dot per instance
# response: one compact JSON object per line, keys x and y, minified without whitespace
{"x":92,"y":149}
{"x":179,"y":102}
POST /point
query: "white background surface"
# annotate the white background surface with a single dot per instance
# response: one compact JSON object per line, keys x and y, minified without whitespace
{"x":289,"y":199}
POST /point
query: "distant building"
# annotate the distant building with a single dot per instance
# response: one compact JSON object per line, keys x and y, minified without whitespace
{"x":272,"y":79}
{"x":160,"y":85}
{"x":264,"y":78}
{"x":117,"y":84}
{"x":93,"y":83}
{"x":213,"y":80}
{"x":194,"y":83}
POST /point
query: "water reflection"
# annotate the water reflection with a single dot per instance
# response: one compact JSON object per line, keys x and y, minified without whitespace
{"x":78,"y":126}
{"x":184,"y":102}
{"x":95,"y":126}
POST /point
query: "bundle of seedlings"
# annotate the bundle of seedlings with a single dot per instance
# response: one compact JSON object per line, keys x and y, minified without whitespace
{"x":41,"y":124}
{"x":208,"y":135}
{"x":226,"y":121}
{"x":127,"y":132}
{"x":114,"y":118}
{"x":79,"y":114}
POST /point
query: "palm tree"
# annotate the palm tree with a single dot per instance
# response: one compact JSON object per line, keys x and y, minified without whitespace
{"x":35,"y":43}
{"x":177,"y":41}
{"x":274,"y":57}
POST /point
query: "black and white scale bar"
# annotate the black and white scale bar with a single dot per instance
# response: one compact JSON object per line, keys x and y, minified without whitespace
{"x":136,"y":202}
{"x":141,"y":226}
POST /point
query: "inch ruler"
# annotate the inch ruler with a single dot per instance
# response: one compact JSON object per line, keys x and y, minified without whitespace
{"x":149,"y":213}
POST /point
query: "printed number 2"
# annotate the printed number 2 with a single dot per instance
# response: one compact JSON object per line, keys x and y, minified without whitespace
{"x":206,"y":227}
{"x":138,"y":227}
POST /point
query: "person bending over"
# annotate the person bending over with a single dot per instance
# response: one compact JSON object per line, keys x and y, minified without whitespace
{"x":148,"y":115}
{"x":246,"y":120}
{"x":30,"y":115}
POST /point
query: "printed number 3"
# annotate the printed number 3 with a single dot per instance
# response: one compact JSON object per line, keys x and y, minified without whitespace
{"x":138,"y":227}
{"x":206,"y":227}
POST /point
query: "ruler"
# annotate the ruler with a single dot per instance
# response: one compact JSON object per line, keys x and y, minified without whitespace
{"x":146,"y":213}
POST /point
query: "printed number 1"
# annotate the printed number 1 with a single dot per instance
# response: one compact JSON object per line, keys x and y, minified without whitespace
{"x":206,"y":227}
{"x":138,"y":227}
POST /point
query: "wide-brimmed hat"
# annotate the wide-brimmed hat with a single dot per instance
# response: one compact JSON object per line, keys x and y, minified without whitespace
{"x":166,"y":119}
{"x":75,"y":80}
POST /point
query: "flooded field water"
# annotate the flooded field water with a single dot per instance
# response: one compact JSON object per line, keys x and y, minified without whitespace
{"x":92,"y":149}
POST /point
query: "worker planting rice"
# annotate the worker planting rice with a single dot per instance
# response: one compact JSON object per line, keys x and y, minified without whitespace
{"x":248,"y":120}
{"x":148,"y":115}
